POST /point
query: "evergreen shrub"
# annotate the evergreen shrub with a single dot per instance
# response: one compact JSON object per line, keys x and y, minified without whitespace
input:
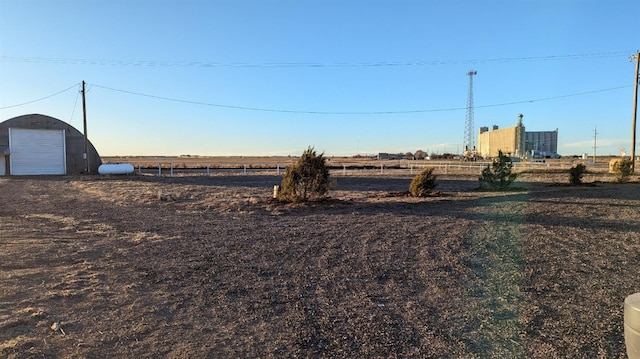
{"x":499,"y":175}
{"x":307,"y":179}
{"x":423,"y":183}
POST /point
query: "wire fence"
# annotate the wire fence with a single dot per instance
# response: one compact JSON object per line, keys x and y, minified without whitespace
{"x":175,"y":167}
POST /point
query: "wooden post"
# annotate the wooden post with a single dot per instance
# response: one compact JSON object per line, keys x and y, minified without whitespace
{"x":85,"y":155}
{"x":635,"y":110}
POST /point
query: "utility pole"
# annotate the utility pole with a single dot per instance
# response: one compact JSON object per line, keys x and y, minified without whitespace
{"x":86,"y":141}
{"x":635,"y":110}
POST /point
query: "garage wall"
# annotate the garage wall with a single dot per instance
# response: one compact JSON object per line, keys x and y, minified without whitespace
{"x":37,"y":152}
{"x":74,"y":142}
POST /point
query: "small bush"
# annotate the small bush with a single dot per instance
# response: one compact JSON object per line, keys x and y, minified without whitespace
{"x":575,"y":174}
{"x":306,"y":179}
{"x":423,"y":183}
{"x":622,"y":170}
{"x":499,"y":175}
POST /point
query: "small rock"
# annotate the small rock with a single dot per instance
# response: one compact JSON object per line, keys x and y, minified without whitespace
{"x":56,"y":326}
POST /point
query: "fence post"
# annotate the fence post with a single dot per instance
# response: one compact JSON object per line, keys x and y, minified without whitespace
{"x":344,"y":170}
{"x":278,"y":169}
{"x":381,"y":168}
{"x":208,"y":173}
{"x":171,"y":168}
{"x":244,"y":172}
{"x":159,"y":166}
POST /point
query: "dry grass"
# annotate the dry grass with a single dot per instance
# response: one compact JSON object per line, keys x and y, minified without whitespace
{"x":147,"y":266}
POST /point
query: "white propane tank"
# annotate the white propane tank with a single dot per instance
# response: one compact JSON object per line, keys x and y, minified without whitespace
{"x":115,"y":169}
{"x":632,"y":325}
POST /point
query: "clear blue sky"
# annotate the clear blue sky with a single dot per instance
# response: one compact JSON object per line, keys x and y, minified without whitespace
{"x":272,"y":77}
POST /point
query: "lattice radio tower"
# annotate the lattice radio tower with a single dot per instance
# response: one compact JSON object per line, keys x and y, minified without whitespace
{"x":469,"y":138}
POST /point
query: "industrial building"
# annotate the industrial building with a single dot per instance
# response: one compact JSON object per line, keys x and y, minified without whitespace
{"x":42,"y":145}
{"x":541,"y":144}
{"x":516,"y":142}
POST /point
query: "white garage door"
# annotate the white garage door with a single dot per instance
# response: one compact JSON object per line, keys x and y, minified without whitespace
{"x":37,"y":152}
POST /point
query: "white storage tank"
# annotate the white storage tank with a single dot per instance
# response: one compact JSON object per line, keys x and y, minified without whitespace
{"x":115,"y":169}
{"x":632,"y":325}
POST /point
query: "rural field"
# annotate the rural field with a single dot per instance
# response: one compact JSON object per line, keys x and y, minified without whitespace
{"x":196,"y":266}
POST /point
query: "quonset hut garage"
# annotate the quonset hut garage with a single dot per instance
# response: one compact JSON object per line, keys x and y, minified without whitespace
{"x":42,"y":145}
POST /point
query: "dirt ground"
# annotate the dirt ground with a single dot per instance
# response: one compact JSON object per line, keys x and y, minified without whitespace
{"x":212,"y":267}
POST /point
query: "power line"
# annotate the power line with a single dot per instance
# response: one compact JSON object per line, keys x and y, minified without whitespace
{"x":207,"y":64}
{"x":74,"y":107}
{"x":259,"y":109}
{"x":40,"y":99}
{"x":246,"y":108}
{"x":557,"y":97}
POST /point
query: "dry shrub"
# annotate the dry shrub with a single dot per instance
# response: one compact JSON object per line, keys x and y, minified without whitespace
{"x":306,"y":179}
{"x":423,"y":183}
{"x":575,"y":174}
{"x":622,"y":169}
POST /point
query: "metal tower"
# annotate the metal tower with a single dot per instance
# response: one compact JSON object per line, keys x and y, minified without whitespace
{"x":469,"y":138}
